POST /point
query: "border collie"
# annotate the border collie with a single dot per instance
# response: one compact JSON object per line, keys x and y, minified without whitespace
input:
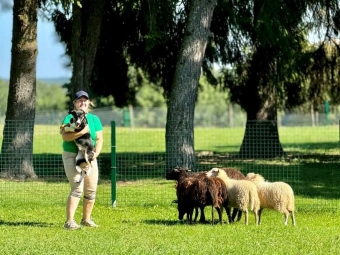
{"x":84,"y":143}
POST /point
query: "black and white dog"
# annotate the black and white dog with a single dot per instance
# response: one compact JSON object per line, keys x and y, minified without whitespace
{"x":84,"y":143}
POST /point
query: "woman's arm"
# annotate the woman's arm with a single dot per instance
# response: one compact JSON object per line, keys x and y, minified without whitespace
{"x":70,"y":136}
{"x":99,"y":143}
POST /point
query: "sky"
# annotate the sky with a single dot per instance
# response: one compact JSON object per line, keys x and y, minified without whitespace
{"x":51,"y":60}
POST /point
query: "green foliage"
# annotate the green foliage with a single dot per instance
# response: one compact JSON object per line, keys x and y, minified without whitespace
{"x":3,"y":96}
{"x":50,"y":97}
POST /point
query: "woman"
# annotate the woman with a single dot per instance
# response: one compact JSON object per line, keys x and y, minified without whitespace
{"x":89,"y":184}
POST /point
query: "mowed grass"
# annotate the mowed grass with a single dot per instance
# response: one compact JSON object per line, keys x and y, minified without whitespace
{"x":29,"y":226}
{"x":300,"y":139}
{"x":33,"y":224}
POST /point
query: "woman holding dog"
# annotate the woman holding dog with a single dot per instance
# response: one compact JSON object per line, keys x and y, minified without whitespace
{"x":88,"y":185}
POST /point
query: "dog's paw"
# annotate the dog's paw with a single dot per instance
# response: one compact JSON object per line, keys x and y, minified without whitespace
{"x":69,"y":129}
{"x":85,"y":166}
{"x":78,"y":168}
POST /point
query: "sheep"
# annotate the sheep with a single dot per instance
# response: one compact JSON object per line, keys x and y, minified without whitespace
{"x":236,"y":175}
{"x":202,"y":192}
{"x":274,"y":195}
{"x":179,"y":175}
{"x":241,"y":193}
{"x":233,"y":173}
{"x":177,"y":171}
{"x":183,"y":185}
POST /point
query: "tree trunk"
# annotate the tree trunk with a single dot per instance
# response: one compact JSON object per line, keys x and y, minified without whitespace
{"x":17,"y":144}
{"x":86,"y":28}
{"x":261,"y":138}
{"x":181,"y":106}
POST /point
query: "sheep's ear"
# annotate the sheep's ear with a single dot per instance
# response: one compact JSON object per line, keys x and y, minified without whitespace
{"x":177,"y":169}
{"x":174,"y":201}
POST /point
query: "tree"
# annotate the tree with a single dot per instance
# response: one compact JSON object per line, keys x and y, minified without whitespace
{"x":181,"y":105}
{"x":265,"y":45}
{"x":17,"y":145}
{"x":81,"y":33}
{"x":266,"y":48}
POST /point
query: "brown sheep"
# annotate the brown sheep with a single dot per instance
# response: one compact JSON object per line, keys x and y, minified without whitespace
{"x":180,"y":175}
{"x":183,"y":185}
{"x":234,"y":173}
{"x":202,"y":192}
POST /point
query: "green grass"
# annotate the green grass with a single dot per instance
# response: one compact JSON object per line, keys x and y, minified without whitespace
{"x":29,"y":227}
{"x":139,"y":140}
{"x":145,"y":221}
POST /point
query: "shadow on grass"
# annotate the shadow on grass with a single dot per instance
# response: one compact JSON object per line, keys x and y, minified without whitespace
{"x":312,"y":169}
{"x":26,"y":223}
{"x":176,"y":222}
{"x":162,"y":222}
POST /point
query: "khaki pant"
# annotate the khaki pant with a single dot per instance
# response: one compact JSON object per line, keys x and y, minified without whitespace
{"x":89,"y":184}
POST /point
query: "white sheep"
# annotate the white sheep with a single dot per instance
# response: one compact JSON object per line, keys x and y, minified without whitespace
{"x":242,"y":194}
{"x":274,"y":195}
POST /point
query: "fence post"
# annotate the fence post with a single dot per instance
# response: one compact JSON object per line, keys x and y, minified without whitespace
{"x":113,"y":164}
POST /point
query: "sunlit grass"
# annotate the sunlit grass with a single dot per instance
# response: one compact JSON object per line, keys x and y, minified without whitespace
{"x":302,"y":139}
{"x":153,"y":228}
{"x":145,"y":221}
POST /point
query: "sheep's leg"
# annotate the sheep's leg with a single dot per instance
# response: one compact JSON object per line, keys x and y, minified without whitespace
{"x":256,"y":214}
{"x":286,"y":214}
{"x":212,"y":215}
{"x":259,"y":215}
{"x":220,"y":212}
{"x":239,"y":215}
{"x":293,"y":218}
{"x":246,"y":217}
{"x":227,"y":209}
{"x":233,"y":216}
{"x":189,"y":214}
{"x":202,"y":217}
{"x":188,"y":219}
{"x":196,"y":214}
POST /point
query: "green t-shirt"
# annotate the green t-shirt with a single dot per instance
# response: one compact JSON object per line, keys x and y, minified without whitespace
{"x":94,"y":124}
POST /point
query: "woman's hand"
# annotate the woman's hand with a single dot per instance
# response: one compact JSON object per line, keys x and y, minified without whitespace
{"x":85,"y":130}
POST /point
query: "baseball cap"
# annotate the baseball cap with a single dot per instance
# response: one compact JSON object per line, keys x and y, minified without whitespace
{"x":80,"y":94}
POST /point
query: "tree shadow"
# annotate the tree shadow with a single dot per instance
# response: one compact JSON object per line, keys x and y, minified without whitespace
{"x":26,"y":223}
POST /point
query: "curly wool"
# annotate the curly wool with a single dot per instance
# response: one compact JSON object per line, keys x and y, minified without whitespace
{"x":241,"y":193}
{"x":278,"y":196}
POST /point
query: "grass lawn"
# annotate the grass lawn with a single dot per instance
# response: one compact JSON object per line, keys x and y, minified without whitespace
{"x":33,"y":224}
{"x":29,"y":228}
